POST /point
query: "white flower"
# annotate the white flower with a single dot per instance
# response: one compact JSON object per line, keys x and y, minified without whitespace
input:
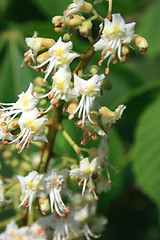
{"x":89,"y":90}
{"x":38,"y":231}
{"x":32,"y":129}
{"x":60,"y":56}
{"x":114,"y":34}
{"x":26,"y":102}
{"x":55,"y":181}
{"x":85,"y":173}
{"x":60,"y":87}
{"x":3,"y":202}
{"x":36,"y":45}
{"x":61,"y":81}
{"x":64,"y":227}
{"x":12,"y":232}
{"x":109,"y":117}
{"x":74,"y":7}
{"x":31,"y":187}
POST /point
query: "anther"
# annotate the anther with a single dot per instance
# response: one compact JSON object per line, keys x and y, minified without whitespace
{"x":79,"y":122}
{"x":41,"y":112}
{"x":22,"y":66}
{"x":109,"y":181}
{"x":5,"y":142}
{"x":96,"y":197}
{"x":106,"y":70}
{"x":100,"y":62}
{"x":71,"y":116}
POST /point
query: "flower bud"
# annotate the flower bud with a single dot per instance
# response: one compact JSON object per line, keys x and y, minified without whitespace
{"x":94,"y":69}
{"x":42,"y":57}
{"x":75,"y":22}
{"x":125,"y":50}
{"x":85,"y":29}
{"x":39,"y":44}
{"x":44,"y":205}
{"x":87,"y":7}
{"x":38,"y":81}
{"x":66,"y":37}
{"x":140,"y":42}
{"x":55,"y":19}
{"x":72,"y":106}
{"x":13,"y":125}
{"x":58,"y":29}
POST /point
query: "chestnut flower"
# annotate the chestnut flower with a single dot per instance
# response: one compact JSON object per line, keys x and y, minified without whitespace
{"x":114,"y":34}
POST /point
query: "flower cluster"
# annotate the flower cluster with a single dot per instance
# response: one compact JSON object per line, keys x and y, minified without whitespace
{"x":66,"y":90}
{"x":30,"y":123}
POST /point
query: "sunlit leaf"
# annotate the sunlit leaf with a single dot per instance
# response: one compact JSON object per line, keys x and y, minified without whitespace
{"x":146,"y":152}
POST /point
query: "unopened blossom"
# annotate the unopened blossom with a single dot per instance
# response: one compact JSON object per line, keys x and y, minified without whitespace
{"x":12,"y":232}
{"x":37,"y":44}
{"x":31,"y":187}
{"x":55,"y":181}
{"x":60,"y":56}
{"x":89,"y":91}
{"x":26,"y":102}
{"x":114,"y":34}
{"x":85,"y":173}
{"x":109,"y":117}
{"x":31,"y":129}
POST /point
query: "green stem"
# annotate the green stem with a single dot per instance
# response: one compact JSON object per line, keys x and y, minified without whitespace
{"x":47,"y":153}
{"x":96,"y":16}
{"x":71,"y":142}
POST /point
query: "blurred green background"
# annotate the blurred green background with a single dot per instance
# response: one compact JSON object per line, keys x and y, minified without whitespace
{"x":133,"y":205}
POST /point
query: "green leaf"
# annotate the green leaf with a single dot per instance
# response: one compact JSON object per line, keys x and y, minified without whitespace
{"x":14,"y":80}
{"x":148,"y":28}
{"x":50,"y":7}
{"x":146,"y":151}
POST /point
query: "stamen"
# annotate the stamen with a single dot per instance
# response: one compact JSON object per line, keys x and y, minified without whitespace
{"x":17,"y":145}
{"x":100,"y":62}
{"x":71,"y":116}
{"x":106,"y":70}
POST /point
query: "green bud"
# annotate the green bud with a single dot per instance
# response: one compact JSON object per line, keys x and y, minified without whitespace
{"x":56,"y":19}
{"x":58,"y":29}
{"x":13,"y":125}
{"x":125,"y":49}
{"x":85,"y":29}
{"x":87,"y":7}
{"x":140,"y":42}
{"x":94,"y":69}
{"x":43,"y":102}
{"x":75,"y":22}
{"x":38,"y":81}
{"x":66,"y":37}
{"x":43,"y":57}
